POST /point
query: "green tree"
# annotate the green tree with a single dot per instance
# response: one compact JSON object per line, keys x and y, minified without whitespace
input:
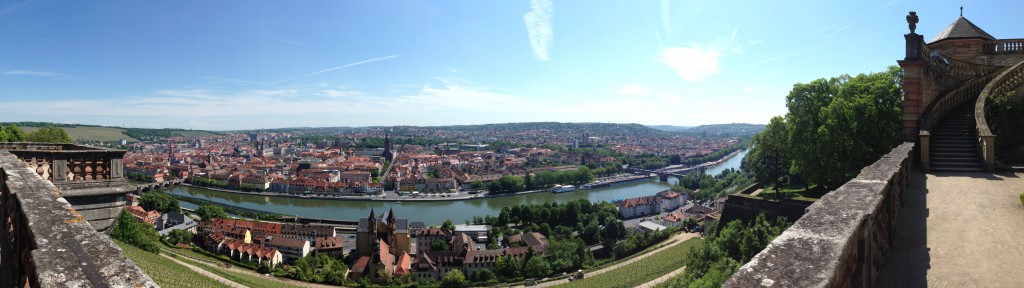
{"x":180,"y":236}
{"x":768,"y":159}
{"x":448,"y":225}
{"x":138,"y":234}
{"x":159,"y":201}
{"x":613,"y":231}
{"x":528,"y":181}
{"x":48,"y":134}
{"x":483,"y":276}
{"x":536,"y":267}
{"x":439,"y":245}
{"x":11,"y":133}
{"x":835,"y":127}
{"x":454,"y":278}
{"x":508,"y":267}
{"x":209,"y":212}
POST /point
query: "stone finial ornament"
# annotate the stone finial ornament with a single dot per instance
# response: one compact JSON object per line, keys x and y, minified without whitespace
{"x":912,"y":21}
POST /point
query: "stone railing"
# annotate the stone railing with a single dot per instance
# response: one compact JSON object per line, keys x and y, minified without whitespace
{"x":952,"y":70}
{"x":1003,"y":46}
{"x":91,"y":179}
{"x":44,"y":242}
{"x":79,"y":170}
{"x":842,"y":239}
{"x":942,"y":105}
{"x":1006,"y":82}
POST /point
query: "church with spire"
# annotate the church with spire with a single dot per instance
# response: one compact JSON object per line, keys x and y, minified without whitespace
{"x":382,"y":247}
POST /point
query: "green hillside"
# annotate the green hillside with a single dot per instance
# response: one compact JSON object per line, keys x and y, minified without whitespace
{"x":109,"y":134}
{"x":91,"y":133}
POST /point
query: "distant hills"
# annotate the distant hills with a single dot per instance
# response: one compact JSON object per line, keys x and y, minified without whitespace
{"x":670,"y":128}
{"x":97,"y":133}
{"x":720,"y":130}
{"x":85,"y":132}
{"x":726,"y":130}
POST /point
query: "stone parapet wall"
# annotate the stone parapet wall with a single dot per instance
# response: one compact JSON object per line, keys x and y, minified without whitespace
{"x":47,"y":243}
{"x":842,"y":239}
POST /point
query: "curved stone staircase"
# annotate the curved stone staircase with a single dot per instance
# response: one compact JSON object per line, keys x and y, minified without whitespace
{"x":954,"y":142}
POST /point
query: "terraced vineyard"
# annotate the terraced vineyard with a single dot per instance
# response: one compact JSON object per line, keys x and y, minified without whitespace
{"x":247,"y":280}
{"x":165,"y":272}
{"x":641,"y":271}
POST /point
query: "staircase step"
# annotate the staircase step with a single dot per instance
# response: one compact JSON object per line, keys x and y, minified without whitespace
{"x":953,"y":139}
{"x":954,"y":142}
{"x":944,"y":169}
{"x":954,"y":155}
{"x":949,"y":147}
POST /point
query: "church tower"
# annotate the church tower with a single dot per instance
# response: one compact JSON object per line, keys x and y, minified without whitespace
{"x":388,"y":154}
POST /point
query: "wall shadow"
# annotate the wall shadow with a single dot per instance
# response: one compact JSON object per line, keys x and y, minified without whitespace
{"x":908,"y":260}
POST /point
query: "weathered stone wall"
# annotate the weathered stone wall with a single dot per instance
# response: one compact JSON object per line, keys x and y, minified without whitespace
{"x":47,"y":243}
{"x":843,"y":237}
{"x":960,"y":49}
{"x":973,"y":50}
{"x":739,"y":207}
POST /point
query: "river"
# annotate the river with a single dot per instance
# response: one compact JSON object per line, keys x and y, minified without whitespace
{"x":432,"y":212}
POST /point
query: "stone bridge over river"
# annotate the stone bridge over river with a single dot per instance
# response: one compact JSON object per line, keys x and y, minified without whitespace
{"x":934,"y":211}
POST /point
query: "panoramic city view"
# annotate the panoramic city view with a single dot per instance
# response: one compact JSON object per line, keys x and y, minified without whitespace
{"x":531,"y":143}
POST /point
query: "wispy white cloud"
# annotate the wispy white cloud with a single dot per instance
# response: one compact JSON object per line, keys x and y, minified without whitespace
{"x":538,"y":26}
{"x":232,"y":80}
{"x":94,"y":72}
{"x":733,"y":36}
{"x":20,"y":5}
{"x":840,"y":29}
{"x":334,"y":68}
{"x":290,"y":106}
{"x":633,"y":90}
{"x":33,"y":73}
{"x":293,"y":42}
{"x":694,"y":63}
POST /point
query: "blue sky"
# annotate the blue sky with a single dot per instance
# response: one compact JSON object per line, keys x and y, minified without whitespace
{"x":223,"y":65}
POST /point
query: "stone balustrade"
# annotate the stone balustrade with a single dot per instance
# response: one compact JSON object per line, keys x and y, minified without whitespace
{"x":91,"y":179}
{"x":1003,"y":46}
{"x":76,"y":169}
{"x":842,"y":239}
{"x":45,"y":242}
{"x":1006,"y":82}
{"x":951,"y":70}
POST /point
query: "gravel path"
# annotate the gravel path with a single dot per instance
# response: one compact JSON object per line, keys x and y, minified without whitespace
{"x":205,"y":273}
{"x":958,"y":230}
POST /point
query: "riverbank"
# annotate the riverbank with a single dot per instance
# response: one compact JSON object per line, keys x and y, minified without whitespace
{"x":386,"y":197}
{"x":430,"y":212}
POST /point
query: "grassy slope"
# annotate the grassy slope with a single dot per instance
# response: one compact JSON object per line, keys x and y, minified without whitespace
{"x":244,"y":279}
{"x":165,"y":272}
